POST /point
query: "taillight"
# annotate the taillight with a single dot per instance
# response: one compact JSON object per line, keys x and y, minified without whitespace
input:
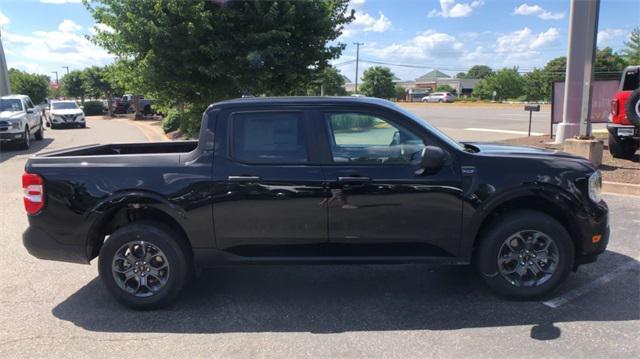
{"x":33,"y":188}
{"x":614,"y":107}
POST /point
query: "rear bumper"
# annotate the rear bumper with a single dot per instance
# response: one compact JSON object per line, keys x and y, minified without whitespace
{"x":622,"y":131}
{"x":41,"y":245}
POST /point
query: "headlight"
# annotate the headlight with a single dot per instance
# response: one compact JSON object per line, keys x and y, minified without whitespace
{"x":15,"y":124}
{"x":595,"y":186}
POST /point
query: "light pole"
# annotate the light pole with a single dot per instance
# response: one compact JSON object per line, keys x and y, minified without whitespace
{"x":357,"y":61}
{"x":583,"y":30}
{"x":56,"y":72}
{"x":5,"y":87}
{"x":66,"y":67}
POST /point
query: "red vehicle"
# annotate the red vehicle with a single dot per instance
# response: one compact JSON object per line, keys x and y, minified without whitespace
{"x":624,"y":126}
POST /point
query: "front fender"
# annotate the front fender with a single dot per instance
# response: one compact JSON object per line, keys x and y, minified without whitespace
{"x":540,"y":196}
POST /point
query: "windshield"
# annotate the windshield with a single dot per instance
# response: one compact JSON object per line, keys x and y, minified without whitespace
{"x":63,"y":105}
{"x":434,"y":130}
{"x":10,"y":105}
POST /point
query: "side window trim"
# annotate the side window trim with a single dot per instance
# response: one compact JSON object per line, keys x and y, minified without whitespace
{"x":303,"y":117}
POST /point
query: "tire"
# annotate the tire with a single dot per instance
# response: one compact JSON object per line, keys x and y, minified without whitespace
{"x":622,"y":148}
{"x":491,"y":250}
{"x":172,"y":250}
{"x":39,"y":135}
{"x":26,"y":142}
{"x":632,"y":107}
{"x":439,"y":101}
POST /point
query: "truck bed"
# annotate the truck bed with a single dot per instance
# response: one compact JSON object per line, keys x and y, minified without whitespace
{"x":124,"y":149}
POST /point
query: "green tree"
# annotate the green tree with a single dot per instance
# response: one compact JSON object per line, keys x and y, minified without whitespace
{"x":330,"y":81}
{"x":536,"y":85}
{"x":479,"y":72}
{"x":377,"y":81}
{"x":401,"y":92}
{"x":461,"y":75}
{"x":73,"y":85}
{"x":445,"y":88}
{"x":98,"y":82}
{"x":198,"y":52}
{"x":631,"y":51}
{"x":33,"y":85}
{"x":507,"y":83}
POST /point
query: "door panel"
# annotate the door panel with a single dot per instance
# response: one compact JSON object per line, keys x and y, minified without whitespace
{"x":379,"y":205}
{"x":268,"y":195}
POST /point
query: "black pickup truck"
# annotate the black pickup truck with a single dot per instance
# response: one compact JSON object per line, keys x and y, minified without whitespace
{"x":313,"y":180}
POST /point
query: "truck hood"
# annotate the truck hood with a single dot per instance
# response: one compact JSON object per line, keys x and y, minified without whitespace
{"x":71,"y":111}
{"x":509,"y":150}
{"x":10,"y":115}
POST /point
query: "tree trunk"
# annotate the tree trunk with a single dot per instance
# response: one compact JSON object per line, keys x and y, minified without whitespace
{"x":109,"y":104}
{"x":136,"y":106}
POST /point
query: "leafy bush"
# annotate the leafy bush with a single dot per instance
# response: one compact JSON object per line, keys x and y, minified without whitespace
{"x":93,"y":108}
{"x":171,"y":122}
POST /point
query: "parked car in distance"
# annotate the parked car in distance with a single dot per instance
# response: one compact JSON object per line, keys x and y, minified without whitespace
{"x":66,"y":114}
{"x":126,"y":104}
{"x":19,"y":120}
{"x":439,"y":97}
{"x":624,"y":122}
{"x":313,"y":180}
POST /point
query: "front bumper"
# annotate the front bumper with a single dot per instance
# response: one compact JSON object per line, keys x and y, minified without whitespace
{"x":594,"y":233}
{"x":65,"y":120}
{"x":7,"y":136}
{"x":624,"y":131}
{"x":41,"y":245}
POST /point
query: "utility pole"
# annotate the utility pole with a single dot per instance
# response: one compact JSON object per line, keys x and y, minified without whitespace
{"x":5,"y":88}
{"x":357,"y":61}
{"x":56,"y":72}
{"x":66,"y":67}
{"x":583,"y":30}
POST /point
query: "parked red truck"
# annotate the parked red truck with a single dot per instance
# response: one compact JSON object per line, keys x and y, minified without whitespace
{"x":624,"y":126}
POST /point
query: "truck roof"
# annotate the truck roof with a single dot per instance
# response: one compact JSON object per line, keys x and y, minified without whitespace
{"x":15,"y":97}
{"x":305,"y":100}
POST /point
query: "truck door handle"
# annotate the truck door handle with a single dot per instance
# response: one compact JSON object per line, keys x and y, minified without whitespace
{"x":243,"y":178}
{"x":353,"y":179}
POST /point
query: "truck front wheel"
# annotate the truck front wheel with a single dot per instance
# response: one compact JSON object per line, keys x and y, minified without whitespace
{"x":144,"y":265}
{"x":622,"y":148}
{"x":524,"y":254}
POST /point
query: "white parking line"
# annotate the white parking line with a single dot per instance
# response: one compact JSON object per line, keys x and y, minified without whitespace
{"x":580,"y":291}
{"x":503,"y":131}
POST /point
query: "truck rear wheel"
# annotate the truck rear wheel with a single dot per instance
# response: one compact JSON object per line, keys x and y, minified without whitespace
{"x":622,"y":148}
{"x":26,"y":141}
{"x":39,"y":135}
{"x":144,"y":265}
{"x":524,"y":254}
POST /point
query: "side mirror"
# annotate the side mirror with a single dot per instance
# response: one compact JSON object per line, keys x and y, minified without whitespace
{"x":29,"y":110}
{"x":433,"y":159}
{"x":395,"y":141}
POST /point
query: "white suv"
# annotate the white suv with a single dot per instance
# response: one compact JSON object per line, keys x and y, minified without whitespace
{"x":19,"y":119}
{"x":438,"y":97}
{"x":66,"y":113}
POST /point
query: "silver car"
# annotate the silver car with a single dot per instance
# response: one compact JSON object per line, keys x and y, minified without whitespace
{"x":438,"y":97}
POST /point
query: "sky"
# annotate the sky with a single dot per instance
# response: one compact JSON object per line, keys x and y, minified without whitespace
{"x":449,"y":35}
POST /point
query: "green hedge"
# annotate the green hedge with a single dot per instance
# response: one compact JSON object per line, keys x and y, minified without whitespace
{"x":171,"y":122}
{"x":93,"y":108}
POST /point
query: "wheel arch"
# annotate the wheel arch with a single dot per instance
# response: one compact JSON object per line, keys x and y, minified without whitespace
{"x":544,"y":203}
{"x":115,"y":213}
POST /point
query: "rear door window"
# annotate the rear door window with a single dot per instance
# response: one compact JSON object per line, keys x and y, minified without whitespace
{"x":269,"y":138}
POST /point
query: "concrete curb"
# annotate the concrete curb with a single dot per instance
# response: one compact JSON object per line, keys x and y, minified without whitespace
{"x":627,"y":189}
{"x":151,"y":129}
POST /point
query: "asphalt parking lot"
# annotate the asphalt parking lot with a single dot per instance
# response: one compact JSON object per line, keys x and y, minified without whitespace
{"x":52,"y":309}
